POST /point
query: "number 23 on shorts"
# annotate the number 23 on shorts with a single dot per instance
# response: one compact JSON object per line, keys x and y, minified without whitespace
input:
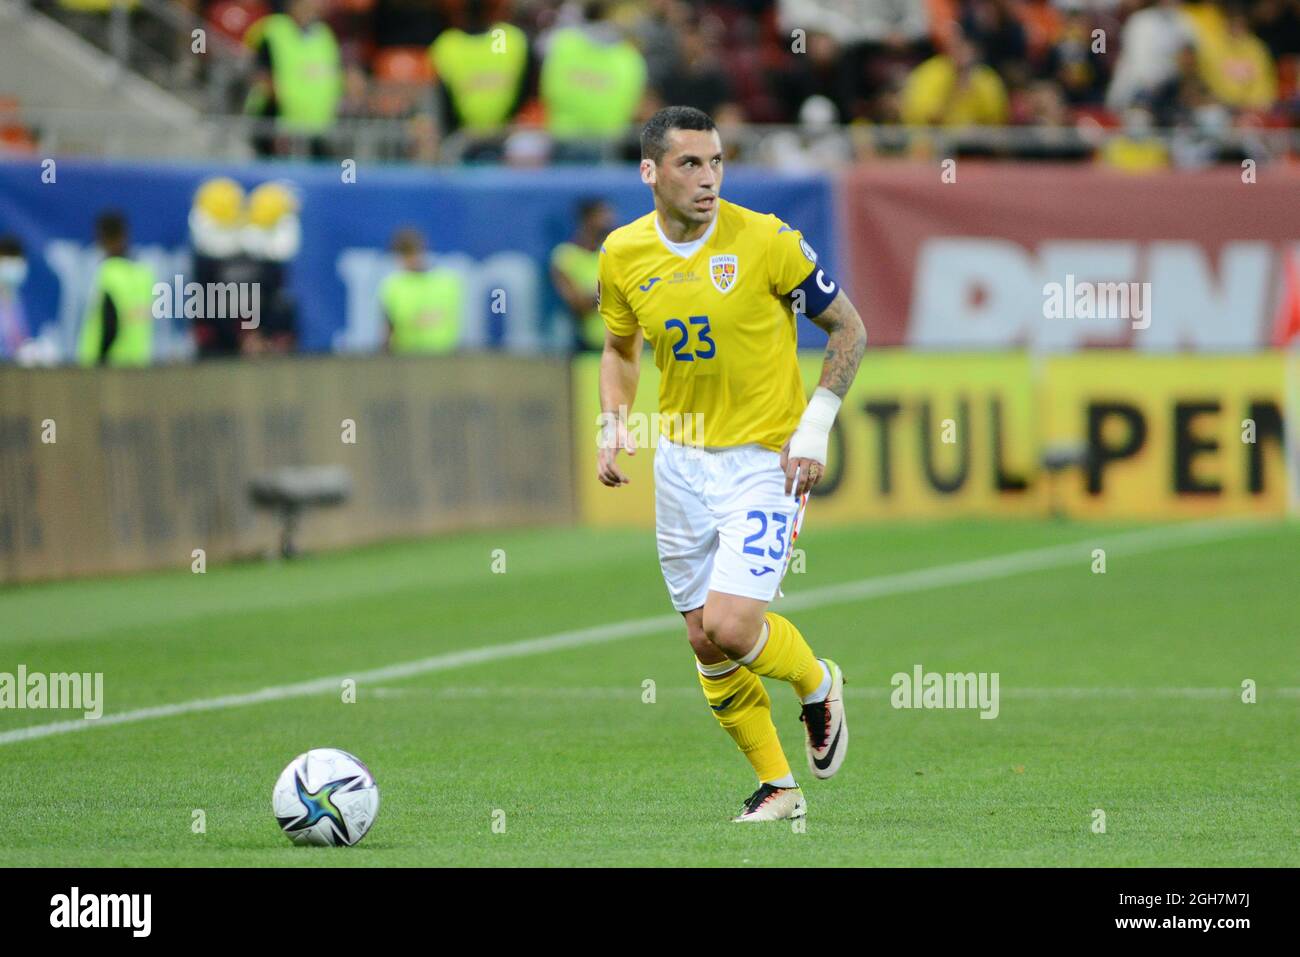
{"x":778,"y":523}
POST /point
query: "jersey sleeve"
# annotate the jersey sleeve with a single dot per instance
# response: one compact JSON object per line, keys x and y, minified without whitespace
{"x":795,"y":272}
{"x":614,"y":310}
{"x":789,"y":259}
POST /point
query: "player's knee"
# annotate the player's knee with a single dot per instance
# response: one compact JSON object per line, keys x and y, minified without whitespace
{"x":733,"y":634}
{"x":705,"y":650}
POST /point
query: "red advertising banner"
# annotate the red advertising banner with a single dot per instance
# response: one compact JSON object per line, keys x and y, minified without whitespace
{"x":1057,"y":258}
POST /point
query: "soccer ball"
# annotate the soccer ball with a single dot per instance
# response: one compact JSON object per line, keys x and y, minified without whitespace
{"x":325,"y":797}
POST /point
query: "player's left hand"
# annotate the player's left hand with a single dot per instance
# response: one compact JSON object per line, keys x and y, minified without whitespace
{"x":801,"y":475}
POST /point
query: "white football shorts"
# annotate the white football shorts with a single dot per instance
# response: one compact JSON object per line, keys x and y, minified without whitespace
{"x":723,"y":521}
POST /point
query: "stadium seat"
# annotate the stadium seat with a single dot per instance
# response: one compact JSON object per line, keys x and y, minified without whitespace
{"x":14,"y":137}
{"x":407,"y":65}
{"x":233,"y":17}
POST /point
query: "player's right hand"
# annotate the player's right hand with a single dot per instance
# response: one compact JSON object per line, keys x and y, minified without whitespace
{"x":614,"y":438}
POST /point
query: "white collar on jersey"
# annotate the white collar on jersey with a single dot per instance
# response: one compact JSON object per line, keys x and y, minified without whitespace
{"x":687,"y":250}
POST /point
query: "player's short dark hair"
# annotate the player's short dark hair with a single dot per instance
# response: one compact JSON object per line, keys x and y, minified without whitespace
{"x":654,"y":137}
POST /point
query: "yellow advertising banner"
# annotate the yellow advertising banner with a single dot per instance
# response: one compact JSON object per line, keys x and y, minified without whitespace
{"x":940,"y":435}
{"x":1169,"y":436}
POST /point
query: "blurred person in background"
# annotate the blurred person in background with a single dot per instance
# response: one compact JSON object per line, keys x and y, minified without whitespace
{"x":216,"y":224}
{"x":118,"y":325}
{"x":877,"y":43}
{"x":1277,"y":23}
{"x":699,"y":79}
{"x":482,"y":73}
{"x":817,"y":71}
{"x":1136,"y":149}
{"x":656,"y":29}
{"x":592,"y":83}
{"x":1073,"y":66}
{"x":817,"y":144}
{"x":299,"y":78}
{"x":1239,"y":70}
{"x":994,"y":27}
{"x":955,"y":88}
{"x":1183,"y":98}
{"x":423,"y":308}
{"x":574,"y":268}
{"x":14,"y":331}
{"x":404,"y":23}
{"x":1047,"y":111}
{"x":271,"y":237}
{"x":1149,"y":49}
{"x":1043,"y":22}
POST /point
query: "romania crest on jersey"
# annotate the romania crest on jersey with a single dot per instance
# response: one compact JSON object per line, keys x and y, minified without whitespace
{"x":722,"y":269}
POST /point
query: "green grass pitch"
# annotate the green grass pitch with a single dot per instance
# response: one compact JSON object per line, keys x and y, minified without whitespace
{"x":1119,"y":692}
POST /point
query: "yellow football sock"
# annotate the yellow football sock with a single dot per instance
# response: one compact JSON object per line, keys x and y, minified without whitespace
{"x":786,"y":656}
{"x":741,"y":705}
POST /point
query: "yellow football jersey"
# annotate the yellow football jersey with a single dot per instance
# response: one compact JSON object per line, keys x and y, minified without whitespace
{"x":722,"y":330}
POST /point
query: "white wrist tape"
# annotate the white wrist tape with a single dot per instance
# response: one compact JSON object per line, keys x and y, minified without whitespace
{"x":811,"y":439}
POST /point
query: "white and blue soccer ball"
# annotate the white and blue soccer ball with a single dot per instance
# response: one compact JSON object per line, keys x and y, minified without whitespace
{"x":325,"y":797}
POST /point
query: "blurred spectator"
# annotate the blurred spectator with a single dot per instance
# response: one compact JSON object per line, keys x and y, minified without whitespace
{"x":1073,"y":66}
{"x":1277,"y":23}
{"x":1181,"y":99}
{"x":592,"y":78}
{"x":481,"y":71}
{"x":816,"y":145}
{"x":118,"y":326}
{"x":1048,"y":112}
{"x":424,"y":309}
{"x":656,"y":29}
{"x":955,"y":89}
{"x":1043,"y":22}
{"x":1238,"y":70}
{"x":403,"y":91}
{"x":271,"y":238}
{"x":401,"y":23}
{"x":299,"y":75}
{"x":1149,"y":48}
{"x":877,"y":43}
{"x":730,"y":121}
{"x":14,"y":331}
{"x":1136,"y":149}
{"x":527,"y":149}
{"x":993,"y":26}
{"x":1208,"y":22}
{"x":892,"y":23}
{"x":699,"y":79}
{"x":817,"y":71}
{"x":574,"y":267}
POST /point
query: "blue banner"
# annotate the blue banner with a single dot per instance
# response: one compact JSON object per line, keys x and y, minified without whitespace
{"x":497,"y":226}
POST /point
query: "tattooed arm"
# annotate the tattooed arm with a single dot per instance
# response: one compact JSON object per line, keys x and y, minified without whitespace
{"x":848,"y":340}
{"x":804,"y":465}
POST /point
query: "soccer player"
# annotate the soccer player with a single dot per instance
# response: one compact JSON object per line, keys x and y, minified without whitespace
{"x":715,"y":288}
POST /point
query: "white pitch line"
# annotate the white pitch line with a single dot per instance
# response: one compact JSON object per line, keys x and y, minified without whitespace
{"x":959,"y":573}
